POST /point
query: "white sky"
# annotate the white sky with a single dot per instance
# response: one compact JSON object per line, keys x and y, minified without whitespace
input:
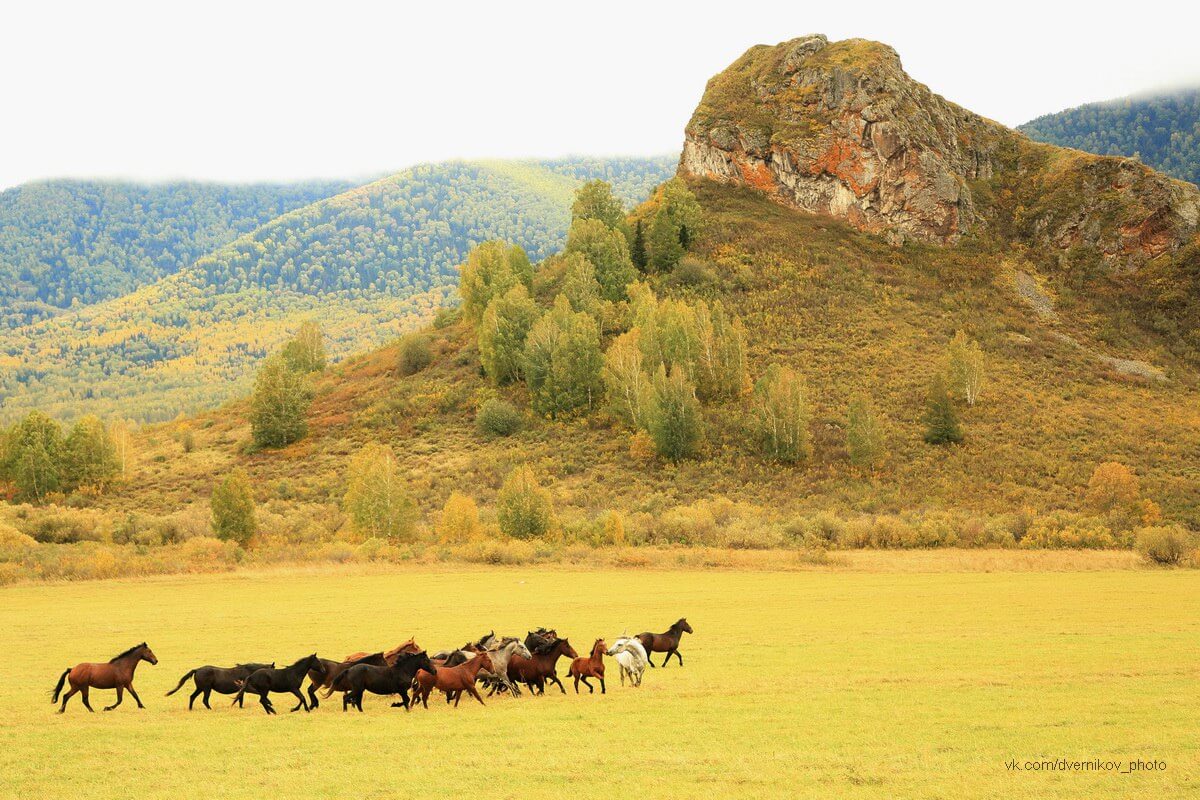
{"x":276,"y":91}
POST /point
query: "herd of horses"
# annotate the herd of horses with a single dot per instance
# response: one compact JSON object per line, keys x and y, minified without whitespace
{"x":495,"y":663}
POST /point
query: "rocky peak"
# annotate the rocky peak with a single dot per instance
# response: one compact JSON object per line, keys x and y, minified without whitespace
{"x":839,"y":128}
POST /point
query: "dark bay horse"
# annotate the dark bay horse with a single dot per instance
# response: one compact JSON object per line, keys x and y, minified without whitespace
{"x":116,"y":674}
{"x":590,"y":667}
{"x":226,"y":680}
{"x":289,"y":679}
{"x":394,"y":679}
{"x":328,"y":671}
{"x":453,"y":680}
{"x":535,"y":671}
{"x":665,"y":642}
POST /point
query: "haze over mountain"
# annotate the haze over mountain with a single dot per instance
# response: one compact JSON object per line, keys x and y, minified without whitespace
{"x":1161,"y":128}
{"x":367,"y":263}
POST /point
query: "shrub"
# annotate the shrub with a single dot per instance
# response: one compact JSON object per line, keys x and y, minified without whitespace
{"x":416,"y":353}
{"x":941,"y":418}
{"x":498,"y":418}
{"x":233,"y":509}
{"x":1164,"y":544}
{"x":459,"y":521}
{"x":1112,"y":486}
{"x":445,"y":317}
{"x":523,"y":508}
{"x":1064,"y":530}
{"x":208,"y":552}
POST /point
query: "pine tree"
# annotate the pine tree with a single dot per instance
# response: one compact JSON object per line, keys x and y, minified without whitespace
{"x":305,"y":352}
{"x":665,"y":248}
{"x":491,"y":269}
{"x":563,"y":362}
{"x":674,"y":421}
{"x":502,"y":333}
{"x":637,"y":249}
{"x":782,"y":415}
{"x":279,"y":405}
{"x":232,"y":507}
{"x":864,"y":433}
{"x":523,"y":507}
{"x":376,"y":501}
{"x":941,"y":419}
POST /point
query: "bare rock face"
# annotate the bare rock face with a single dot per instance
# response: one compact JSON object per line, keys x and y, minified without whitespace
{"x":838,"y":128}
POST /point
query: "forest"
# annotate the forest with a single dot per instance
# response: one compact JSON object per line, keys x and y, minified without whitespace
{"x":1163,"y":130}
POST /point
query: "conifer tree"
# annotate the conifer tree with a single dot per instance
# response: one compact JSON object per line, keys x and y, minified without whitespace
{"x":941,"y":418}
{"x":637,"y":248}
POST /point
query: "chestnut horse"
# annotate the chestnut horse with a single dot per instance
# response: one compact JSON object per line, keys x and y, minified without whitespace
{"x":453,"y":680}
{"x":665,"y":642}
{"x":116,"y":674}
{"x":590,"y":667}
{"x":408,"y":648}
{"x":535,"y":671}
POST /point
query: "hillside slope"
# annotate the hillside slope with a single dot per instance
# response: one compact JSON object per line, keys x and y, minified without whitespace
{"x":65,"y":242}
{"x":367,"y":263}
{"x":1161,"y":128}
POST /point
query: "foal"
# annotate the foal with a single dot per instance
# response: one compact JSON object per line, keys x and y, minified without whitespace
{"x":665,"y":642}
{"x":116,"y":674}
{"x":453,"y":680}
{"x":590,"y":667}
{"x":226,"y":680}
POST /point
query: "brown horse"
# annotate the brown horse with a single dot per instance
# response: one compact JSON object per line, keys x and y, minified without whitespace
{"x":590,"y":667}
{"x":452,"y":680}
{"x":665,"y":642}
{"x":408,"y":648}
{"x":116,"y":674}
{"x":535,"y":671}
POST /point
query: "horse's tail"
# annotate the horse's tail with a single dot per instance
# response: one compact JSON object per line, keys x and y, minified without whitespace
{"x":241,"y":693}
{"x":58,"y":687}
{"x":338,"y":684}
{"x":182,"y":681}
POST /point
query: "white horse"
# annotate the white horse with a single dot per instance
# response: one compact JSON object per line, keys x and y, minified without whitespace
{"x":631,"y":658}
{"x":500,"y":654}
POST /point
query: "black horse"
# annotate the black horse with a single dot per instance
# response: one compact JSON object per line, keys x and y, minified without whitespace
{"x":541,"y":640}
{"x":226,"y":680}
{"x":288,"y":679}
{"x":327,"y":672}
{"x":396,"y":679}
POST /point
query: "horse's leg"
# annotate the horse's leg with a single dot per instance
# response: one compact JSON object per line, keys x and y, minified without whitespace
{"x":313,"y":702}
{"x":300,"y":697}
{"x":561,"y":688}
{"x":192,"y":699}
{"x":265,"y":703}
{"x":120,"y":697}
{"x":67,"y":697}
{"x":83,"y":695}
{"x":457,"y":697}
{"x":475,"y":693}
{"x":602,"y":689}
{"x":585,"y":683}
{"x":135,"y":696}
{"x":403,"y":699}
{"x":677,"y":655}
{"x":208,"y":694}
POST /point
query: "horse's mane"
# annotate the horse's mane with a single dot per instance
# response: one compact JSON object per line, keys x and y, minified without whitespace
{"x":361,"y":659}
{"x":119,"y":656}
{"x":484,"y":638}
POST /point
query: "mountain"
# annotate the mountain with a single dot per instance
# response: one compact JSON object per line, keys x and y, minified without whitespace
{"x":367,"y":263}
{"x":64,"y":243}
{"x":854,"y":222}
{"x":838,"y":128}
{"x":1161,"y":128}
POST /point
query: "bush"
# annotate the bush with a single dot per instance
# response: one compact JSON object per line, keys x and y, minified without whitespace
{"x":498,"y":418}
{"x":416,"y":353}
{"x":445,"y":317}
{"x":1164,"y":544}
{"x":1065,"y":530}
{"x":523,"y":508}
{"x":206,"y":551}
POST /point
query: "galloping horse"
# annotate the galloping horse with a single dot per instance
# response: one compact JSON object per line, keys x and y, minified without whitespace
{"x":497,"y":676}
{"x":591,"y":667}
{"x":331,"y":669}
{"x":116,"y":674}
{"x":540,"y":639}
{"x":665,"y":642}
{"x":288,"y":679}
{"x":631,"y":659}
{"x":394,"y":679}
{"x":226,"y":680}
{"x":535,"y":671}
{"x":453,"y":680}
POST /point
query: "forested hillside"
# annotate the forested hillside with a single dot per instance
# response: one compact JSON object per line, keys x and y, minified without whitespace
{"x":69,"y":242}
{"x":1163,"y":130}
{"x":367,"y":263}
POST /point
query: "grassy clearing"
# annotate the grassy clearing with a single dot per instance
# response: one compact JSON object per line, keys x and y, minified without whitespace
{"x":850,"y":683}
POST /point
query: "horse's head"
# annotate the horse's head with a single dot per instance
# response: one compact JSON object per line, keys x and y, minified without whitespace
{"x":419,"y":660}
{"x":563,"y":648}
{"x":314,"y":664}
{"x":517,"y":648}
{"x":485,"y":661}
{"x":146,"y":654}
{"x":599,"y":647}
{"x":683,"y":626}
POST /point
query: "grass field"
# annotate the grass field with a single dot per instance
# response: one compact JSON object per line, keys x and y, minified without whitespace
{"x":801,"y":684}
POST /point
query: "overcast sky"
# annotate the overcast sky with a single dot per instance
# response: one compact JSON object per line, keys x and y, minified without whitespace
{"x":264,"y":91}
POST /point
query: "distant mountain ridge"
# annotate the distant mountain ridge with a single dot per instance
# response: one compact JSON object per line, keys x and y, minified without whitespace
{"x":1161,"y":128}
{"x":368,"y":263}
{"x":71,"y":242}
